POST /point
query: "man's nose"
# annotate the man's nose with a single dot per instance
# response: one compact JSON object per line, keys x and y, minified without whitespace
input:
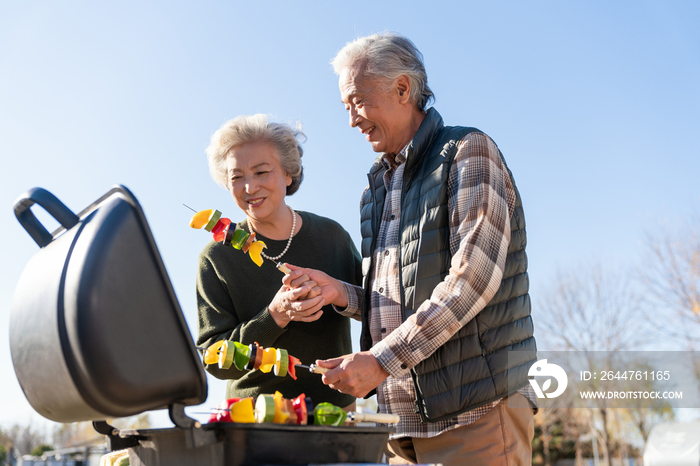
{"x":354,"y":117}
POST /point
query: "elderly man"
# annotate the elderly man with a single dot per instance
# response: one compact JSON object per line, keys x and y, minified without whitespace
{"x":447,"y":337}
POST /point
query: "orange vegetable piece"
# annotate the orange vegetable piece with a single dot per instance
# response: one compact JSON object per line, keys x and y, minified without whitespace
{"x":258,"y":356}
{"x":293,"y":418}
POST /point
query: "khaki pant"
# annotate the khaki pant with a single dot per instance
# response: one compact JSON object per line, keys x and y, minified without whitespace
{"x":502,"y":437}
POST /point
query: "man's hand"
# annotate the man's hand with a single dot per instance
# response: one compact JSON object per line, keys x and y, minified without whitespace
{"x":356,"y":374}
{"x":332,"y":290}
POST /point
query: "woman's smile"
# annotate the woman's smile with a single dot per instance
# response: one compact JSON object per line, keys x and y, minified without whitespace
{"x":256,"y":202}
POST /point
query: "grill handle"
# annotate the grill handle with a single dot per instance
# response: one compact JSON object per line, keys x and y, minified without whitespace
{"x":52,"y":205}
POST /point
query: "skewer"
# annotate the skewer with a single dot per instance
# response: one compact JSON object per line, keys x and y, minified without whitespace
{"x":283,"y":268}
{"x":280,"y":266}
{"x":313,"y":368}
{"x":353,"y":416}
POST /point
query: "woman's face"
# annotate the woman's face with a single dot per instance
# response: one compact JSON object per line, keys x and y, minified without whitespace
{"x":257,"y":181}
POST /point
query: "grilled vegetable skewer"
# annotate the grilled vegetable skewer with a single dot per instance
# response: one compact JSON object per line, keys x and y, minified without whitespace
{"x":279,"y":410}
{"x":228,"y":233}
{"x":228,"y":353}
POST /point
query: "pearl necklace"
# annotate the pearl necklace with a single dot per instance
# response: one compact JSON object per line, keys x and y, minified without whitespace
{"x":289,"y":241}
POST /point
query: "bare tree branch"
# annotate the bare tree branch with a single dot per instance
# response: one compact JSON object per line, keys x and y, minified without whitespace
{"x":671,"y":276}
{"x":589,"y":309}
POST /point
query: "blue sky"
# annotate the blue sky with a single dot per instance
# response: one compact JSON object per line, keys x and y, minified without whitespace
{"x":595,"y":105}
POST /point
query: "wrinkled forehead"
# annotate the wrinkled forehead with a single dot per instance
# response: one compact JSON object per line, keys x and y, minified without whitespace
{"x":353,"y":81}
{"x":252,"y":155}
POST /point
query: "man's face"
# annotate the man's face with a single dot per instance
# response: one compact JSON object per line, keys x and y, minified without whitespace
{"x":376,"y":112}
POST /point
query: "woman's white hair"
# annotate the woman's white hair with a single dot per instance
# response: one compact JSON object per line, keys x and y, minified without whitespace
{"x":257,"y":128}
{"x":388,"y":55}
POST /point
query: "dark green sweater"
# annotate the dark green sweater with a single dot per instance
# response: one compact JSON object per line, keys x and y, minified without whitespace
{"x":232,"y":298}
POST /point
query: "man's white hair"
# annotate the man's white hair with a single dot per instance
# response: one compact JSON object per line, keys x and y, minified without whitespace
{"x":387,"y":56}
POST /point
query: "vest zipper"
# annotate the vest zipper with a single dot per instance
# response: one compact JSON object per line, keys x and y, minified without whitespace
{"x":418,"y":404}
{"x":365,"y":337}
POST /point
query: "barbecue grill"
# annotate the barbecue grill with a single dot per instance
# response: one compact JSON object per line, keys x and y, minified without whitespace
{"x":96,"y":332}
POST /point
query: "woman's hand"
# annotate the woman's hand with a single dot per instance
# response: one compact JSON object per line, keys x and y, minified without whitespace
{"x":299,"y":299}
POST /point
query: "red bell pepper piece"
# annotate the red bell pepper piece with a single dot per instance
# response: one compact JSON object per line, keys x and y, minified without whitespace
{"x":222,"y":413}
{"x":291,"y":368}
{"x":299,"y":404}
{"x":218,"y":231}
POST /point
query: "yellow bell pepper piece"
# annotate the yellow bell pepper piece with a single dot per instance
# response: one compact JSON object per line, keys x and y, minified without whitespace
{"x":242,"y":411}
{"x":200,"y":219}
{"x":268,"y":360}
{"x":255,"y":250}
{"x":211,"y":354}
{"x":281,"y":413}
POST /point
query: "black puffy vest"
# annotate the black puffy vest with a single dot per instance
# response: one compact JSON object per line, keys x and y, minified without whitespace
{"x":489,"y":357}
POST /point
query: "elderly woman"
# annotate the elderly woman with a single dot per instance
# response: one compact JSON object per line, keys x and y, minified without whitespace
{"x":259,"y":162}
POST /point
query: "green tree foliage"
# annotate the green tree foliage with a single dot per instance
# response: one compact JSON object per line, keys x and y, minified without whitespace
{"x":41,"y":449}
{"x":559,"y":445}
{"x":23,"y":438}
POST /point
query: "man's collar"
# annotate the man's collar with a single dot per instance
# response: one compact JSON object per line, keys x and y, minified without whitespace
{"x":392,"y":161}
{"x":416,"y":148}
{"x":420,"y":141}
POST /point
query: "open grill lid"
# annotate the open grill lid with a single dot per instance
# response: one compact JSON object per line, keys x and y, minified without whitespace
{"x":96,"y":330}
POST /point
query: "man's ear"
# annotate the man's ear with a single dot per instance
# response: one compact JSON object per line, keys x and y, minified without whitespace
{"x":403,"y":86}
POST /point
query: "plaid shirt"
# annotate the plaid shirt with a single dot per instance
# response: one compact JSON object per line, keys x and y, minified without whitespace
{"x":481,"y":199}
